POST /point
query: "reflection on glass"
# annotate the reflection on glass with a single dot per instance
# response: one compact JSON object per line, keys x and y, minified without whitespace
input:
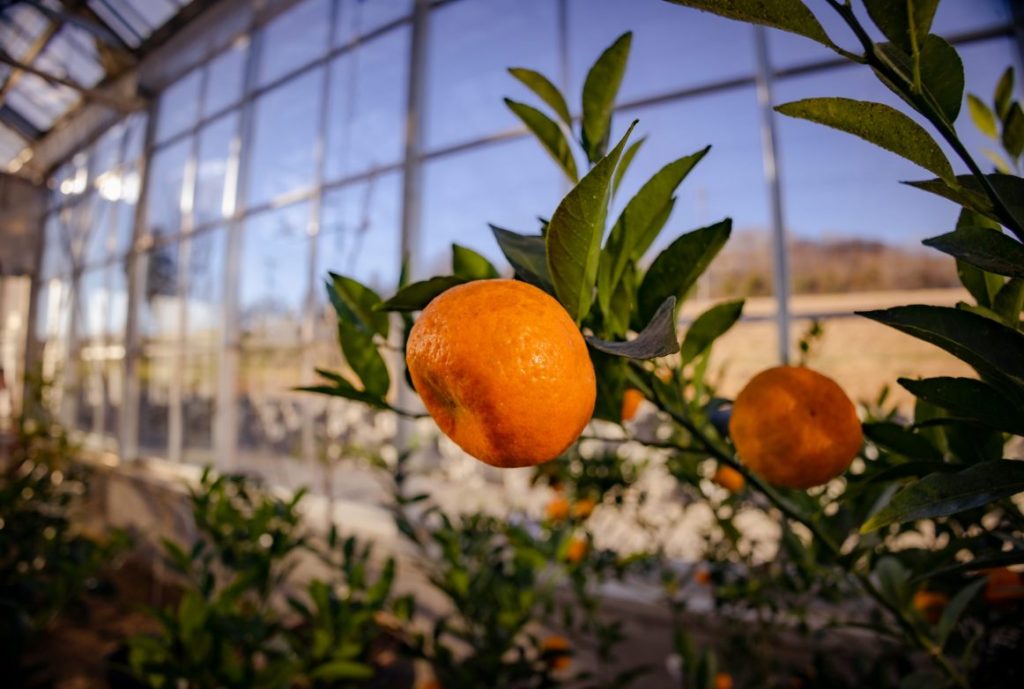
{"x":225,"y":78}
{"x":199,"y":394}
{"x":367,"y":106}
{"x":205,"y":295}
{"x":358,"y":17}
{"x":216,"y":141}
{"x":468,"y":54}
{"x":360,"y":234}
{"x":271,"y":415}
{"x":159,"y":307}
{"x":165,"y":189}
{"x":156,"y":371}
{"x":274,"y":276}
{"x":179,"y":106}
{"x":293,"y":39}
{"x":522,"y":183}
{"x":284,"y":139}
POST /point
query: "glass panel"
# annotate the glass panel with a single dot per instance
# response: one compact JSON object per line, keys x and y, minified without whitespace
{"x":99,"y":244}
{"x":165,"y":187}
{"x":56,"y":250}
{"x":106,"y":153}
{"x":129,"y":196}
{"x":271,"y":414}
{"x":159,"y":306}
{"x":91,"y":306}
{"x":204,"y":303}
{"x":39,"y":101}
{"x":135,"y":136}
{"x":78,"y":220}
{"x":361,"y":234}
{"x":366,"y":126}
{"x":225,"y":78}
{"x":179,"y":106}
{"x":521,"y":183}
{"x":358,"y":17}
{"x":156,"y":370}
{"x":274,"y":276}
{"x":469,"y":51}
{"x":284,"y":139}
{"x":293,"y":39}
{"x":199,"y":395}
{"x":665,"y":38}
{"x":216,"y":142}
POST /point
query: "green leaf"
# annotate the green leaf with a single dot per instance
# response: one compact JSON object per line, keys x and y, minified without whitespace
{"x":656,"y":340}
{"x":982,"y":286}
{"x":363,"y":358}
{"x":640,"y":221}
{"x":1013,"y":131}
{"x":1003,"y":96}
{"x":618,"y":315}
{"x":355,"y":302}
{"x":527,"y":256}
{"x":957,"y":605}
{"x":345,"y":389}
{"x":877,"y":123}
{"x":968,"y":398}
{"x":943,"y":494}
{"x":904,"y":23}
{"x":548,"y":92}
{"x":997,"y":160}
{"x":984,"y":248}
{"x":942,"y":75}
{"x":416,"y":296}
{"x":549,"y":134}
{"x":893,"y":580}
{"x":1009,"y":302}
{"x":342,"y":669}
{"x":969,"y":192}
{"x":983,"y":117}
{"x":993,"y":350}
{"x":676,"y":268}
{"x":787,"y":15}
{"x":902,"y":441}
{"x":469,"y":265}
{"x":573,"y":240}
{"x":709,"y":326}
{"x":627,"y":159}
{"x":599,"y":91}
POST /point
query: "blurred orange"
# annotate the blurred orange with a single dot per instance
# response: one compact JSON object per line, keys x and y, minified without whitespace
{"x":930,"y":604}
{"x":428,"y":684}
{"x":723,"y":680}
{"x":558,"y":651}
{"x":558,"y":509}
{"x":578,"y":548}
{"x":729,"y":478}
{"x":702,"y":577}
{"x":630,"y":403}
{"x":583,"y":508}
{"x":1003,"y":586}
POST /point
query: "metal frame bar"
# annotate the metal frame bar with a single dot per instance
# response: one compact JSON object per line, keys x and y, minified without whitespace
{"x":93,"y":94}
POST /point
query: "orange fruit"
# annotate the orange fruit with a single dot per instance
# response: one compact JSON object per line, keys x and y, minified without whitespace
{"x":729,"y":478}
{"x":429,"y":684}
{"x":583,"y":508}
{"x":558,"y":651}
{"x":702,"y":577}
{"x":723,"y":680}
{"x":795,"y":427}
{"x":631,"y":400}
{"x":558,"y":509}
{"x":1003,"y":586}
{"x":578,"y":548}
{"x":503,"y":370}
{"x":930,"y":604}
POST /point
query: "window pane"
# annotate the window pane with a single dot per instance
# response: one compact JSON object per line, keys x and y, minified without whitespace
{"x":666,"y":39}
{"x":521,"y":183}
{"x":99,"y":244}
{"x":358,"y":17}
{"x":205,"y":296}
{"x":274,"y":276}
{"x":199,"y":394}
{"x":293,"y":39}
{"x":129,"y":197}
{"x":216,"y":143}
{"x":366,"y":126}
{"x":106,"y":153}
{"x":225,"y":78}
{"x":159,"y":308}
{"x":56,"y":248}
{"x":164,"y":196}
{"x":179,"y":106}
{"x":156,"y":370}
{"x":284,"y":139}
{"x":135,"y":136}
{"x":91,"y":307}
{"x":469,"y":51}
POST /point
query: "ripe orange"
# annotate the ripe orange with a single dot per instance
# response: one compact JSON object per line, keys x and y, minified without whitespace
{"x":702,"y":577}
{"x":1003,"y":586}
{"x":729,"y":478}
{"x":723,"y":680}
{"x":578,"y":548}
{"x":795,"y":427}
{"x":558,"y":509}
{"x":558,"y":650}
{"x":503,"y":370}
{"x":630,"y":403}
{"x":930,"y":604}
{"x":583,"y":508}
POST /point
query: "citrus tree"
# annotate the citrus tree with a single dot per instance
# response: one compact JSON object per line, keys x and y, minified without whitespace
{"x":513,"y":370}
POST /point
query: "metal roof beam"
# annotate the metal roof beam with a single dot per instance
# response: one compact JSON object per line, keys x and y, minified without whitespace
{"x":14,"y":119}
{"x":88,"y":93}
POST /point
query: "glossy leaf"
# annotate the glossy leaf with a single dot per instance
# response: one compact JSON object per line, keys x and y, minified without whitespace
{"x":984,"y":119}
{"x":527,"y":256}
{"x":599,"y":91}
{"x":676,"y":268}
{"x":970,"y":193}
{"x":549,"y":134}
{"x":1013,"y":131}
{"x":984,"y":248}
{"x":416,"y":296}
{"x":469,"y":265}
{"x":968,"y":398}
{"x":362,"y":356}
{"x":957,"y":605}
{"x":627,"y":159}
{"x":942,"y":75}
{"x":877,"y":123}
{"x":903,"y":23}
{"x":787,"y":15}
{"x":573,"y":240}
{"x":355,"y":302}
{"x":944,"y":494}
{"x":548,"y":92}
{"x":709,"y":326}
{"x":1003,"y":95}
{"x":982,"y":286}
{"x":656,"y":340}
{"x":902,"y":441}
{"x":1009,"y":302}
